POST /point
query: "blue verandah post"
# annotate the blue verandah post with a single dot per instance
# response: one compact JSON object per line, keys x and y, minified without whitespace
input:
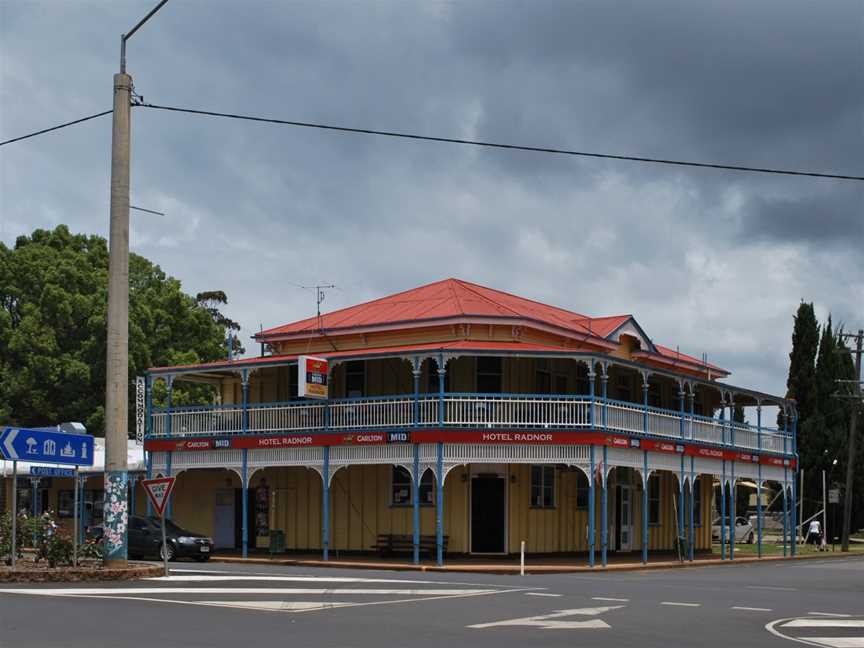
{"x":604,"y":515}
{"x":325,"y":515}
{"x":681,"y":501}
{"x":645,"y":507}
{"x":416,"y":504}
{"x":645,"y":405}
{"x":681,"y":395}
{"x":244,"y":484}
{"x":245,"y":384}
{"x":759,"y":427}
{"x":604,"y":380}
{"x":795,"y":493}
{"x":442,"y":371}
{"x":759,"y":511}
{"x":723,"y":511}
{"x":591,"y":510}
{"x":169,"y":382}
{"x":591,"y":387}
{"x":691,"y":540}
{"x":415,"y":370}
{"x":785,"y":511}
{"x":732,"y":514}
{"x":439,"y":509}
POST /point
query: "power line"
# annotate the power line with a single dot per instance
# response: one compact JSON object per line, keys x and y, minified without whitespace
{"x":515,"y":147}
{"x":58,"y":127}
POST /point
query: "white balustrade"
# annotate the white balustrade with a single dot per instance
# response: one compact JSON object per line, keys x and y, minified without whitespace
{"x":625,"y":418}
{"x":378,"y":413}
{"x":461,"y":410}
{"x":515,"y":411}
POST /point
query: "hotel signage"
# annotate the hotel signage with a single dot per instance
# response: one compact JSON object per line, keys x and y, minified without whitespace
{"x":537,"y":437}
{"x":312,"y":377}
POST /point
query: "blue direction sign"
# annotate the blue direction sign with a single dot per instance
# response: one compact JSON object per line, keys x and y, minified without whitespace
{"x":43,"y":446}
{"x":51,"y":471}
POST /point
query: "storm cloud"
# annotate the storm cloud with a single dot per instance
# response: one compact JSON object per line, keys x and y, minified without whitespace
{"x":711,"y":261}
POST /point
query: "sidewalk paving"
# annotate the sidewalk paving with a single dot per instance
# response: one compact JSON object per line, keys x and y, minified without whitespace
{"x":510,"y":564}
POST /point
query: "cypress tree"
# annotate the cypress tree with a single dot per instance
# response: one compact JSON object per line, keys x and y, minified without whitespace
{"x":801,"y":382}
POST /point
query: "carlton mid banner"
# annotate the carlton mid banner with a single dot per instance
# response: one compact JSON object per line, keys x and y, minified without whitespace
{"x":312,"y":377}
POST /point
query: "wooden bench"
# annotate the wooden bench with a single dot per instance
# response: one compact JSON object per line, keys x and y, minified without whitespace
{"x":390,"y":543}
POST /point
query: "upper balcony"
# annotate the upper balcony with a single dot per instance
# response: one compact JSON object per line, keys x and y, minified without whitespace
{"x":455,"y":411}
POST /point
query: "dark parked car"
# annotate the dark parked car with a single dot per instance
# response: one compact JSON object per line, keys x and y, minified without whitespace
{"x":145,"y":540}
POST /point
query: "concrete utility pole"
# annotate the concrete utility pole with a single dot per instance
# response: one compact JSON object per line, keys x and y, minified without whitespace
{"x":853,"y":432}
{"x":117,"y":355}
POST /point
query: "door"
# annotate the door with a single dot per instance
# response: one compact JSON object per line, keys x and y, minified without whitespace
{"x":488,"y":514}
{"x":624,"y":517}
{"x":223,"y":519}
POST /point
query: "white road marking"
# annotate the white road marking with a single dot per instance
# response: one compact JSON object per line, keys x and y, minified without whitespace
{"x":825,"y":623}
{"x":778,"y":628}
{"x":838,"y":642}
{"x":540,"y":594}
{"x":265,"y":609}
{"x":296,"y":579}
{"x":681,"y":604}
{"x":769,"y":587}
{"x":829,"y":614}
{"x":751,"y":609}
{"x":552,"y":622}
{"x":109,"y":591}
{"x":606,"y":598}
{"x":280,"y":606}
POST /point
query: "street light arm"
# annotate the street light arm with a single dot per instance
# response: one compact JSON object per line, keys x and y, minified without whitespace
{"x":125,"y":37}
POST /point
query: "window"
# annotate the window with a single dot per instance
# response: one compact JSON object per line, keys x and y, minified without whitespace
{"x":653,"y":394}
{"x":582,"y":386}
{"x":432,"y":378}
{"x":547,"y":381}
{"x":622,"y":389}
{"x":696,"y":493}
{"x":543,"y":486}
{"x":582,"y":490}
{"x":654,"y":500}
{"x":292,"y":382}
{"x":65,"y":503}
{"x":489,"y":375}
{"x":355,"y":379}
{"x":402,"y":485}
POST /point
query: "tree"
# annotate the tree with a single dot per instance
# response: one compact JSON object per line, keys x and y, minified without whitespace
{"x":53,"y":312}
{"x":211,"y":301}
{"x":800,"y":384}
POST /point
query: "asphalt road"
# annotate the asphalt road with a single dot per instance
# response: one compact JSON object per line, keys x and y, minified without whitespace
{"x":238,"y":606}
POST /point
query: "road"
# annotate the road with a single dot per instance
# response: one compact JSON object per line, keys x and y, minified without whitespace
{"x":772,"y":604}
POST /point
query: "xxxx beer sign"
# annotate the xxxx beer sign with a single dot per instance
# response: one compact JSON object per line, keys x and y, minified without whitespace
{"x":312,"y":377}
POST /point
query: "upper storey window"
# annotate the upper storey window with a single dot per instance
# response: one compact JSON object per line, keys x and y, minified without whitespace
{"x":355,"y":379}
{"x":489,"y":375}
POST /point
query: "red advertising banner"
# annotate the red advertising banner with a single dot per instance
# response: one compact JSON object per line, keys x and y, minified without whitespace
{"x":536,"y":437}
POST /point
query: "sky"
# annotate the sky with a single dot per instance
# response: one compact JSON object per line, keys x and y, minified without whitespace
{"x":713,"y":262}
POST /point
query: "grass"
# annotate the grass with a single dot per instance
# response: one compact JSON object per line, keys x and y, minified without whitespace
{"x":777,"y":549}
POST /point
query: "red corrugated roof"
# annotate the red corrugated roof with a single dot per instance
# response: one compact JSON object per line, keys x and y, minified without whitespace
{"x":604,"y":326}
{"x":431,"y":347}
{"x":449,"y":298}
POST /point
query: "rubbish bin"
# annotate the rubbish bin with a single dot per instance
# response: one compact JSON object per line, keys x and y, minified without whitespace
{"x":277,"y":541}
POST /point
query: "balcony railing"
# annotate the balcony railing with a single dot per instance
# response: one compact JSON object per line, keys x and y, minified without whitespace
{"x":520,"y":411}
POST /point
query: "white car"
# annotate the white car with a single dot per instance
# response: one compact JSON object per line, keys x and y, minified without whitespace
{"x":744,"y":531}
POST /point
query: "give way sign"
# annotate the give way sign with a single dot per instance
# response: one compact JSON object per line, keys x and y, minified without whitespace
{"x":158,"y":491}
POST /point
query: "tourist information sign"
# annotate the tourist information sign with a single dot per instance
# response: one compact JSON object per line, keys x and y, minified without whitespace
{"x":44,"y":446}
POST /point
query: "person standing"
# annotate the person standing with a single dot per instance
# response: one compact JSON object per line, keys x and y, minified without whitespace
{"x":814,"y":533}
